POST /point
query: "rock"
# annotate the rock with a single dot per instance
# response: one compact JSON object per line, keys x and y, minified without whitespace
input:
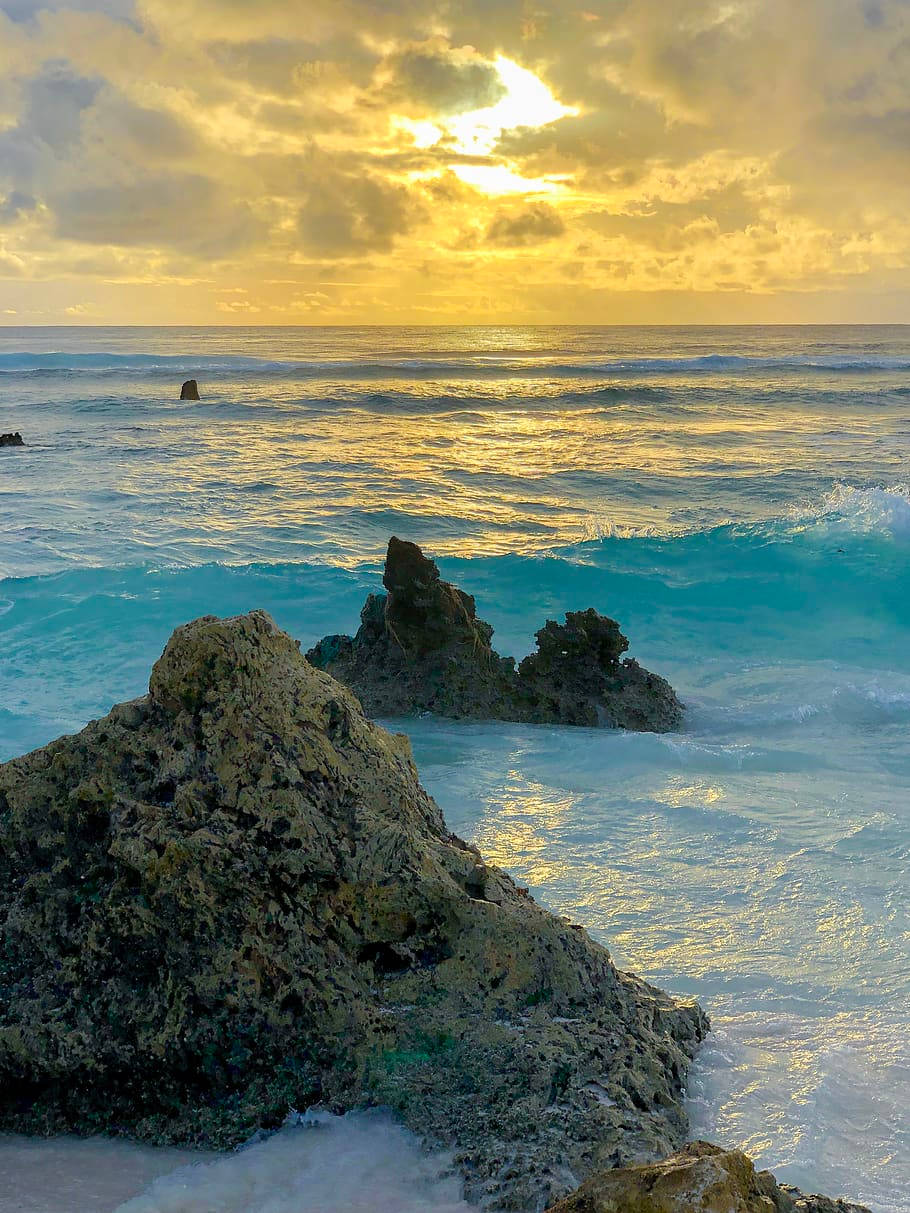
{"x":190,"y":390}
{"x":700,"y":1178}
{"x":232,"y":897}
{"x":421,"y":648}
{"x":802,"y":1203}
{"x":11,"y":439}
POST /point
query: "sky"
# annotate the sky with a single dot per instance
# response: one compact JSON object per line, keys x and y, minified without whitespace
{"x":454,"y":161}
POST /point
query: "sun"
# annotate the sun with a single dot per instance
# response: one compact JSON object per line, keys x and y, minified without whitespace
{"x":526,"y":102}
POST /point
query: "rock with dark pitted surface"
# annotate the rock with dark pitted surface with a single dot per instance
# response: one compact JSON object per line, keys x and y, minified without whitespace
{"x":14,"y":439}
{"x":232,"y":897}
{"x":422,"y":648}
{"x":700,"y":1178}
{"x":190,"y":390}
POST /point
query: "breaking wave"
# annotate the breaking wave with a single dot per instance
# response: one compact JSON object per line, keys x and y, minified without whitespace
{"x":532,"y":364}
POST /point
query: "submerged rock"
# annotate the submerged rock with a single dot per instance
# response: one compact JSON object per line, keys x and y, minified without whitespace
{"x":232,"y":897}
{"x":700,"y":1178}
{"x":421,"y":648}
{"x":190,"y":390}
{"x":11,"y":439}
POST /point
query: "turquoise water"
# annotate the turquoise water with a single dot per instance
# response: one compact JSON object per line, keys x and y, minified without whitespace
{"x":737,"y":498}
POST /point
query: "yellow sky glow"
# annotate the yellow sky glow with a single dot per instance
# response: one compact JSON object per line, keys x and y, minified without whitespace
{"x":606,"y":162}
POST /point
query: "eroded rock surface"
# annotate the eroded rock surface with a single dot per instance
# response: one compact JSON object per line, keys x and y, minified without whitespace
{"x":422,"y":648}
{"x":700,"y":1178}
{"x":232,"y":896}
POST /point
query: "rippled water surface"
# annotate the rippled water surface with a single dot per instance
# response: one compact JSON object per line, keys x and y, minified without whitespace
{"x":736,"y":498}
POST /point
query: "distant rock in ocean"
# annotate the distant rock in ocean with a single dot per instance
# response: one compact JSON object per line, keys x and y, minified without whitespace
{"x":190,"y":390}
{"x":232,"y":897}
{"x":700,"y":1178}
{"x":12,"y":439}
{"x":422,"y":648}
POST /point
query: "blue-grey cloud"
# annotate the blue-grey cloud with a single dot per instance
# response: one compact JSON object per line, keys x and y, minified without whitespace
{"x":180,"y":211}
{"x":15,"y":204}
{"x":444,"y":82}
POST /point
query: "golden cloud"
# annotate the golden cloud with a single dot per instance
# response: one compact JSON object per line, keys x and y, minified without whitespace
{"x":490,"y":160}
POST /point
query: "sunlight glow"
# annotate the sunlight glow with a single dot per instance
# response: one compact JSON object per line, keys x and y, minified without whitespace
{"x":500,"y":179}
{"x":528,"y":102}
{"x":424,"y":133}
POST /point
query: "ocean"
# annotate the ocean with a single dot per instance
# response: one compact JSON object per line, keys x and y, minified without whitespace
{"x":736,"y":497}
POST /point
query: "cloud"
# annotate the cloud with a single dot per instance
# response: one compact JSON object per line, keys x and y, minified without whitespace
{"x":754,"y":142}
{"x":54,"y":103}
{"x":136,"y":134}
{"x":27,"y":10}
{"x":283,"y":66}
{"x":233,"y":307}
{"x":182,"y":212}
{"x":530,"y":226}
{"x":346,"y":214}
{"x":434,"y":80}
{"x":15,"y":204}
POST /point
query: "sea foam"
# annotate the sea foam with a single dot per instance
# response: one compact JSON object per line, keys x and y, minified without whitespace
{"x":360,"y":1163}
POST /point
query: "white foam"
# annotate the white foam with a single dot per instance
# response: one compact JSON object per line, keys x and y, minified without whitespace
{"x":864,"y":510}
{"x":360,"y":1163}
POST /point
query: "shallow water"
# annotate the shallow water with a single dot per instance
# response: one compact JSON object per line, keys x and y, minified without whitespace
{"x":734,"y":497}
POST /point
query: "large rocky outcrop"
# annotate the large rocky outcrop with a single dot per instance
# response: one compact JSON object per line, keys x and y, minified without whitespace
{"x":189,"y":390}
{"x":700,"y":1178}
{"x":421,"y":648}
{"x":14,"y":439}
{"x":232,"y":896}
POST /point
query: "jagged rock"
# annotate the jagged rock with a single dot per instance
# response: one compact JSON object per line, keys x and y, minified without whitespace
{"x":421,"y":648}
{"x":700,"y":1178}
{"x":190,"y":390}
{"x":232,"y":896}
{"x":11,"y":439}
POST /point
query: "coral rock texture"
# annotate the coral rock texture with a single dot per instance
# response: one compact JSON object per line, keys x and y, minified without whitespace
{"x":700,"y":1178}
{"x":232,"y":897}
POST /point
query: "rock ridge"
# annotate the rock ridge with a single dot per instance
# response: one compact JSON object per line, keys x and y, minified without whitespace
{"x":422,"y":648}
